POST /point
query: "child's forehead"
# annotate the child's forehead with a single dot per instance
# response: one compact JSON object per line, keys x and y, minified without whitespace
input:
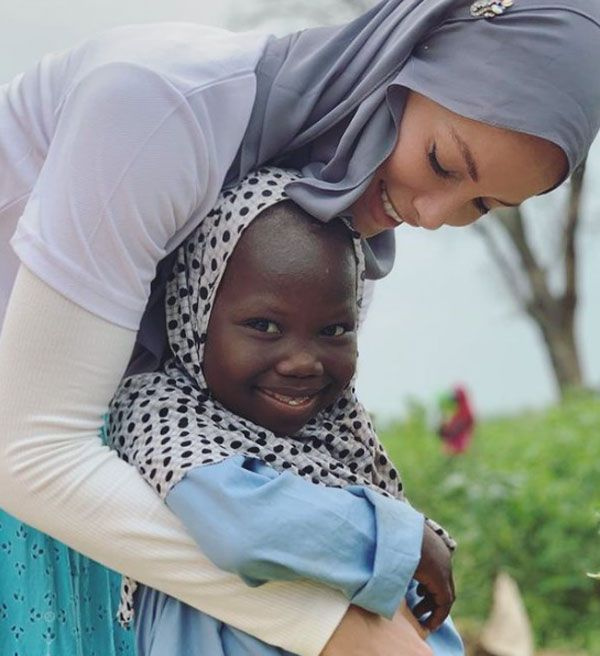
{"x":286,"y":253}
{"x":284,"y":239}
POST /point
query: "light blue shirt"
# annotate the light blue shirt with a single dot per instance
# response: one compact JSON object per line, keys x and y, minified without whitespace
{"x":264,"y":525}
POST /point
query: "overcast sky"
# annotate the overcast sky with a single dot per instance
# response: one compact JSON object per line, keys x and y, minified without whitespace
{"x":30,"y":28}
{"x":443,"y":316}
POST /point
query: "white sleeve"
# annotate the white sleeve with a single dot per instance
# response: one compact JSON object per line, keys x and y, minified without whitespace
{"x":59,"y":366}
{"x":128,"y":165}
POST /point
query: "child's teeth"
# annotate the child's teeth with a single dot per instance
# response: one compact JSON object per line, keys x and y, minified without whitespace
{"x":389,"y":208}
{"x":298,"y":400}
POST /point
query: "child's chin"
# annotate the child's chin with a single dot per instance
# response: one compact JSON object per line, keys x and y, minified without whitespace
{"x":285,"y":420}
{"x":288,"y":430}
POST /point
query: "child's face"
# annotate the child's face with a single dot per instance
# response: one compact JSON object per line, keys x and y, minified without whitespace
{"x":281,"y":341}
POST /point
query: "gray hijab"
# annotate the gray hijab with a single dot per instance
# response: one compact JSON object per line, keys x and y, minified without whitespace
{"x":532,"y":68}
{"x":333,"y":97}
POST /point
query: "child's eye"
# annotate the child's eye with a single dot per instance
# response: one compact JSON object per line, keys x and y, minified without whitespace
{"x":436,"y":167}
{"x":335,"y":330}
{"x":263,"y":326}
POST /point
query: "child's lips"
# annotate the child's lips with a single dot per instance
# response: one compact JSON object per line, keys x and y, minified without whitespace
{"x":301,"y":399}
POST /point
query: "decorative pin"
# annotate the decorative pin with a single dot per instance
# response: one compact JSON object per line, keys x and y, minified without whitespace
{"x":490,"y":8}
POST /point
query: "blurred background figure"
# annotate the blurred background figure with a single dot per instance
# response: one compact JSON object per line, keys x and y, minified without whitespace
{"x":457,"y":421}
{"x":507,"y":631}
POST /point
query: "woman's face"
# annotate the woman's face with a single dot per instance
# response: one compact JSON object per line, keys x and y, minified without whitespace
{"x":447,"y":169}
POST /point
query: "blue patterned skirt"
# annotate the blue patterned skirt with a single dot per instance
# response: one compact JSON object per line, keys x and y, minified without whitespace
{"x":53,"y":600}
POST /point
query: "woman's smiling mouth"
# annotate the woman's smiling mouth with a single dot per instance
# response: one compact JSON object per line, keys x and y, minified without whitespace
{"x":387,"y":205}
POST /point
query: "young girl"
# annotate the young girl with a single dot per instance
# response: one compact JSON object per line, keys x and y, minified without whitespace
{"x":252,"y":433}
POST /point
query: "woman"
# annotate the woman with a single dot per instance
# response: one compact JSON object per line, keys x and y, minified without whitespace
{"x":113,"y":152}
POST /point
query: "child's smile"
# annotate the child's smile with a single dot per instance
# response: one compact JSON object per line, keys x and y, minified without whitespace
{"x":297,"y":399}
{"x":291,"y":408}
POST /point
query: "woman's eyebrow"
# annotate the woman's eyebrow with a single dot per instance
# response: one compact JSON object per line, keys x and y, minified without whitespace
{"x":471,"y":164}
{"x":467,"y":155}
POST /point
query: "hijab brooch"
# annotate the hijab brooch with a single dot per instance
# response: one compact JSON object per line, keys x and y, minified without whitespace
{"x":490,"y":8}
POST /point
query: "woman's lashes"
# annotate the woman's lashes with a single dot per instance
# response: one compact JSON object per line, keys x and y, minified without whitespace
{"x":439,"y":170}
{"x":434,"y":162}
{"x":482,"y":208}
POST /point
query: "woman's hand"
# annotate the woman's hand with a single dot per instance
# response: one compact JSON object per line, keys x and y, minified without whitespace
{"x":360,"y":633}
{"x":436,"y":584}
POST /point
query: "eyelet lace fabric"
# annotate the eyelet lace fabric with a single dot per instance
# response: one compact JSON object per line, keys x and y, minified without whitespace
{"x":53,"y":600}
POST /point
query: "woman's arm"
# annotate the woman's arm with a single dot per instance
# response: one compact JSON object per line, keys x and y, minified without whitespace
{"x":59,"y":366}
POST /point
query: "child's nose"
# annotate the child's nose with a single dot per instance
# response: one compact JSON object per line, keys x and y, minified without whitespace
{"x":301,"y":363}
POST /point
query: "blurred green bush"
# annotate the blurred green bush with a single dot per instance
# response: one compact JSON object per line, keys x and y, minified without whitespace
{"x":525,"y":499}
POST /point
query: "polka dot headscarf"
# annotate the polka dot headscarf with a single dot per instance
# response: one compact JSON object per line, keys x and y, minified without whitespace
{"x":166,"y":422}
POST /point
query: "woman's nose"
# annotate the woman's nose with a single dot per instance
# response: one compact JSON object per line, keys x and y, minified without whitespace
{"x":300,"y":362}
{"x":436,"y":209}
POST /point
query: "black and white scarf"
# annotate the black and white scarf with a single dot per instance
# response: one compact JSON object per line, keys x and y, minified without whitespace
{"x":166,"y":423}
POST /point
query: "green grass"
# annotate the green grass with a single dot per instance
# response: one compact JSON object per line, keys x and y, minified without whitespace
{"x":524,"y":499}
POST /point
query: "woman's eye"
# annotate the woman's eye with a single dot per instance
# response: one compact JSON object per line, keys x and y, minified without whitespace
{"x":263,"y":326}
{"x":482,"y":208}
{"x":436,"y":167}
{"x":335,"y":330}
